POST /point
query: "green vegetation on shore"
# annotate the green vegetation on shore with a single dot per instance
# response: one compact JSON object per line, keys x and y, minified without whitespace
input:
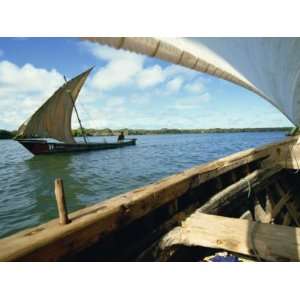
{"x":5,"y":134}
{"x":107,"y":131}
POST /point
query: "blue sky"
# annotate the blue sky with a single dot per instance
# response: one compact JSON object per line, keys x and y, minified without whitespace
{"x":124,"y":89}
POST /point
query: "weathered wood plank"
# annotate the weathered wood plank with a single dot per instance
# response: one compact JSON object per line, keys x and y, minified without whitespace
{"x":267,"y":241}
{"x":250,"y":181}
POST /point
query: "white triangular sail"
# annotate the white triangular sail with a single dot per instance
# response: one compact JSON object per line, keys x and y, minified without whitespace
{"x":270,"y":67}
{"x":53,"y":118}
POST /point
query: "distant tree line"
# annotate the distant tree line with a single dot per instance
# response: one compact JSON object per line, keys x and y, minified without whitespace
{"x":5,"y":134}
{"x":109,"y":132}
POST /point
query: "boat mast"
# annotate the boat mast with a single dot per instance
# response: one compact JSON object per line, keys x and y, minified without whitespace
{"x":83,"y":133}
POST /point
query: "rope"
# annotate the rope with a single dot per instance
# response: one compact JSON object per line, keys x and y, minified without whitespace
{"x":249,"y":186}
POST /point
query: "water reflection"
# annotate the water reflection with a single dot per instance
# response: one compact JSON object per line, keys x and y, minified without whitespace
{"x":43,"y":171}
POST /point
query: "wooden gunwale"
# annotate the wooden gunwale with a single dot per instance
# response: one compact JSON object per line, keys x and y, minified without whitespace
{"x":51,"y":241}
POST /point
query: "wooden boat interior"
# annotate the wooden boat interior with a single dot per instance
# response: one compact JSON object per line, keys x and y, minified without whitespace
{"x":246,"y":204}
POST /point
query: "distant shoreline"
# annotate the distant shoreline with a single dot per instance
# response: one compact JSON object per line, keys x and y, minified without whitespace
{"x":109,"y":132}
{"x":5,"y":134}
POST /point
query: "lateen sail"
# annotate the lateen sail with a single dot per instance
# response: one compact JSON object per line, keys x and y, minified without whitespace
{"x":53,"y":118}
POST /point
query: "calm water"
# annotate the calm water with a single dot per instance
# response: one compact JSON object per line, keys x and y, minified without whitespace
{"x":27,"y":192}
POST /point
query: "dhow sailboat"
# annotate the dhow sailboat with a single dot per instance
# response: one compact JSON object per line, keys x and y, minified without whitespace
{"x":53,"y":120}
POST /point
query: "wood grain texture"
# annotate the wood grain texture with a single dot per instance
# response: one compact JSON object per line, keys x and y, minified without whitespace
{"x":270,"y":242}
{"x":61,"y":202}
{"x":249,"y":182}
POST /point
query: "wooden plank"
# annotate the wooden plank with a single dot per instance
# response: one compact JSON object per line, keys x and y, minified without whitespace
{"x":267,"y":241}
{"x":224,"y":196}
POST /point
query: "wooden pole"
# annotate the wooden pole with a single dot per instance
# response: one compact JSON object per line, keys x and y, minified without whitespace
{"x":61,"y":203}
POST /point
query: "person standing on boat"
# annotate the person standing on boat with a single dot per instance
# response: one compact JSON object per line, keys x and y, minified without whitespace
{"x":121,"y":137}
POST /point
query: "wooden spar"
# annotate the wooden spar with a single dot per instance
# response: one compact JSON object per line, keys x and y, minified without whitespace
{"x":260,"y":214}
{"x":79,"y":121}
{"x":285,"y":201}
{"x":52,"y":241}
{"x":287,"y":219}
{"x":282,"y":202}
{"x":61,"y":202}
{"x":269,"y":205}
{"x":250,"y":181}
{"x":292,"y":211}
{"x":267,"y":241}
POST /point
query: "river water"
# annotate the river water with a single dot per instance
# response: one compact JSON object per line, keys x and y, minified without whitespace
{"x":27,"y":182}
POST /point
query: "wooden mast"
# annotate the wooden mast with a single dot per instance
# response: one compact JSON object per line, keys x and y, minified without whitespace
{"x":83,"y":133}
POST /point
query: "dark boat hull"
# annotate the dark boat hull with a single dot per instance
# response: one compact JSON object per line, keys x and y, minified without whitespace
{"x":38,"y":147}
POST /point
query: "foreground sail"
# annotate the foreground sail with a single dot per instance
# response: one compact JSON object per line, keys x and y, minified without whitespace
{"x":53,"y":120}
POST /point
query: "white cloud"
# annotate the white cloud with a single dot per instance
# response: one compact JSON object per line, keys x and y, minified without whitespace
{"x":107,"y":53}
{"x":127,"y":68}
{"x":192,"y":103}
{"x":115,"y":74}
{"x":127,"y":91}
{"x":174,"y":85}
{"x":120,"y":69}
{"x":196,"y":87}
{"x":150,"y":76}
{"x":23,"y":90}
{"x":175,"y":70}
{"x":28,"y":78}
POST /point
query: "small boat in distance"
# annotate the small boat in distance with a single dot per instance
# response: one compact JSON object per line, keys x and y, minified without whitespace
{"x":53,"y":120}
